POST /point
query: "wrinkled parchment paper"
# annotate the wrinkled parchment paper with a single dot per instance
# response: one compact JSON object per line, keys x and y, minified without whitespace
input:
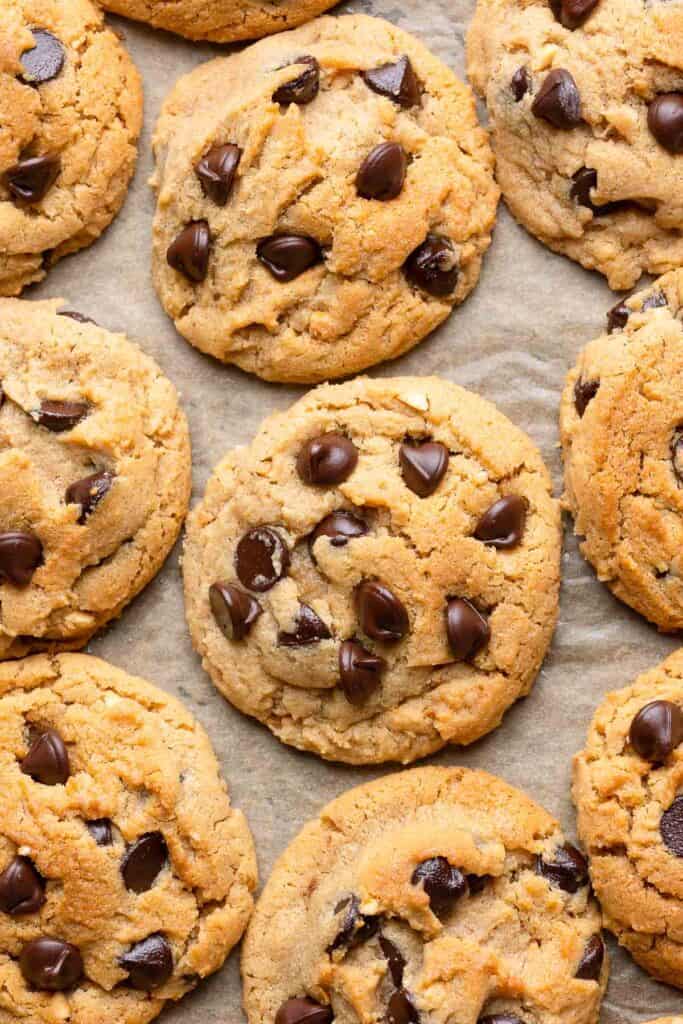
{"x":512,"y":341}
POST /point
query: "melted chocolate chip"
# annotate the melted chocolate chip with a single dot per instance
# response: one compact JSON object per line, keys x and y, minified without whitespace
{"x":101,"y":831}
{"x":677,"y":454}
{"x":443,"y":883}
{"x":234,"y":610}
{"x":573,"y":13}
{"x":657,"y":730}
{"x":61,"y":416}
{"x":467,"y":629}
{"x":583,"y":182}
{"x":502,"y":525}
{"x":394,"y":958}
{"x":423,"y":466}
{"x":189,"y":251}
{"x":22,"y":888}
{"x":617,"y":317}
{"x":44,"y":61}
{"x":433,"y":266}
{"x":584,"y":392}
{"x":665,"y":121}
{"x":47,"y":760}
{"x":302,"y":89}
{"x":327,"y":460}
{"x":568,"y":871}
{"x":520,"y":83}
{"x":590,"y":965}
{"x":355,"y":928}
{"x":303,"y":1011}
{"x":360,"y":671}
{"x":339,"y":527}
{"x":309,"y":629}
{"x":143,"y":861}
{"x":381,"y":615}
{"x":671,"y":827}
{"x":261,"y":558}
{"x":216,"y":172}
{"x":288,"y":256}
{"x":397,"y":81}
{"x":558,"y":101}
{"x":51,"y":965}
{"x":401,"y":1009}
{"x":89,"y":492}
{"x":383,"y":172}
{"x":149,"y":963}
{"x":656,"y":300}
{"x":29,"y":181}
{"x":20,"y":555}
{"x":477,"y":883}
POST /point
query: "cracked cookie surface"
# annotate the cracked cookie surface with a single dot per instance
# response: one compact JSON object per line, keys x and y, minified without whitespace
{"x":630,"y":816}
{"x":621,"y":424}
{"x":584,"y":99}
{"x":324,"y":199}
{"x":70,"y":116}
{"x":427,"y":896}
{"x":94,"y":475}
{"x":377,"y":574}
{"x":125,"y":874}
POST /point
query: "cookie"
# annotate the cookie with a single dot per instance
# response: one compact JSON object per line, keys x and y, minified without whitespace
{"x":431,"y":895}
{"x":627,"y":785}
{"x":585,"y":99}
{"x":621,"y":428}
{"x":324,"y":200}
{"x":94,"y":475}
{"x":377,"y":574}
{"x":125,"y":874}
{"x":70,"y":116}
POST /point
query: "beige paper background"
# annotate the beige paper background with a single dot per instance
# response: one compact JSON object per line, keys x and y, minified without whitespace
{"x":512,"y":341}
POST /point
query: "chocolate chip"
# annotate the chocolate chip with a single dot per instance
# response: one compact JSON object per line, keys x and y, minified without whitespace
{"x":590,"y":965}
{"x":100,"y":830}
{"x":617,"y":317}
{"x":309,"y":628}
{"x":189,"y":251}
{"x":60,"y":416}
{"x":477,"y":883}
{"x":558,"y":100}
{"x":572,"y":13}
{"x":500,"y":1018}
{"x":401,"y":1009}
{"x":304,"y":87}
{"x":568,"y":870}
{"x":671,"y":827}
{"x":677,"y":454}
{"x":44,"y":60}
{"x":520,"y":83}
{"x":47,"y":760}
{"x":433,"y":266}
{"x":216,"y":172}
{"x":360,"y":671}
{"x":397,"y":81}
{"x":467,"y":629}
{"x":143,"y":861}
{"x":443,"y":883}
{"x":355,"y":928}
{"x":303,"y":1011}
{"x":235,"y":611}
{"x":584,"y":392}
{"x":89,"y":492}
{"x":394,"y":959}
{"x":51,"y":965}
{"x":339,"y":527}
{"x":80,"y":318}
{"x":20,"y":555}
{"x":656,"y":300}
{"x":149,"y":963}
{"x":327,"y":460}
{"x":22,"y":888}
{"x":583,"y":182}
{"x":656,"y":730}
{"x":423,"y":466}
{"x":261,"y":558}
{"x":288,"y":256}
{"x":665,"y":121}
{"x":381,"y":615}
{"x":383,"y":172}
{"x":502,"y":525}
{"x":29,"y":181}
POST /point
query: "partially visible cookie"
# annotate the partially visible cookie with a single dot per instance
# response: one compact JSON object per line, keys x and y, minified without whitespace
{"x":627,"y":785}
{"x":125,"y":874}
{"x":377,"y":574}
{"x":70,"y":116}
{"x":325,"y":198}
{"x":621,"y":424}
{"x":94,"y":475}
{"x":438,"y":894}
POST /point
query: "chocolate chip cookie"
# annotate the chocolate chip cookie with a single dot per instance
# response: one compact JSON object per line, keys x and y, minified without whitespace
{"x":70,"y":116}
{"x":621,"y":424}
{"x":627,"y":786}
{"x":125,"y":874}
{"x":94,"y":475}
{"x":376,"y":575}
{"x":438,"y":894}
{"x":585,"y":99}
{"x":324,"y":200}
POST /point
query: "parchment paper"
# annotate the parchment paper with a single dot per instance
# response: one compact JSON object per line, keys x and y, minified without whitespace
{"x":512,"y":341}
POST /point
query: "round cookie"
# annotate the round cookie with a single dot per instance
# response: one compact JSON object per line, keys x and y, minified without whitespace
{"x":70,"y":116}
{"x":430,"y":895}
{"x":94,"y":475}
{"x":627,"y":785}
{"x":377,"y":574}
{"x":125,"y":874}
{"x":324,"y":200}
{"x":585,"y":100}
{"x":621,"y":424}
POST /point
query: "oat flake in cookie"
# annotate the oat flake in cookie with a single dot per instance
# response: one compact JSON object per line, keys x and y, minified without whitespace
{"x":325,"y":198}
{"x":431,"y":895}
{"x":621,"y":425}
{"x":94,"y":475}
{"x":70,"y":116}
{"x":585,"y":100}
{"x":376,"y":575}
{"x":125,"y":874}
